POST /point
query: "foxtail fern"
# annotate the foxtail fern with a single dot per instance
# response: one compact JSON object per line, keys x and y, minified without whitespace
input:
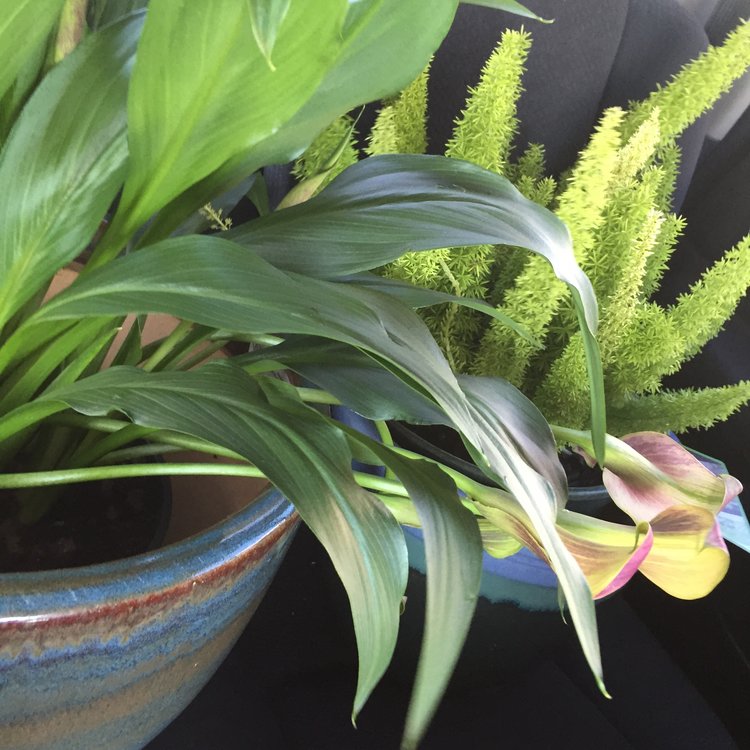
{"x":616,"y":200}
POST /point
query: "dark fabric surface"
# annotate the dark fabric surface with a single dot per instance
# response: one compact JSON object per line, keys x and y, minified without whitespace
{"x":289,"y":681}
{"x":568,"y":70}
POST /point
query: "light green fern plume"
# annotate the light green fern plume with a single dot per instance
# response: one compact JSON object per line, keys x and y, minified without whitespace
{"x":696,"y":88}
{"x":485,"y":130}
{"x":616,"y":200}
{"x":678,"y":410}
{"x":483,"y":135}
{"x":700,"y":315}
{"x":537,"y":294}
{"x":657,"y":262}
{"x":564,"y":392}
{"x":401,"y":125}
{"x":645,"y":352}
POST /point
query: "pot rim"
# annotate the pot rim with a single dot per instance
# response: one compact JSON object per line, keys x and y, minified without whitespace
{"x":37,"y":594}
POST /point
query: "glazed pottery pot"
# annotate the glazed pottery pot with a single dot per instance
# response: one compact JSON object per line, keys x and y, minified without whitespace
{"x":105,"y":656}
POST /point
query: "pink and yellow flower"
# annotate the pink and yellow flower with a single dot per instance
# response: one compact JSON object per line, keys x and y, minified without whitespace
{"x":673,"y":501}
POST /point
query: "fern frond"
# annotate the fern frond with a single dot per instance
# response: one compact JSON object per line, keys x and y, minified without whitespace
{"x":531,"y":165}
{"x":401,"y":125}
{"x":483,"y":135}
{"x":677,"y":410}
{"x":668,"y":157}
{"x":701,"y":314}
{"x":619,"y":237}
{"x":485,"y":130}
{"x":639,"y":150}
{"x":647,"y":350}
{"x":565,"y":391}
{"x":657,"y":262}
{"x":527,"y":174}
{"x":696,"y":88}
{"x":537,"y":294}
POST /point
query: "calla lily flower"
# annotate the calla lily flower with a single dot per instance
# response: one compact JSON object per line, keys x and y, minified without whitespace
{"x":609,"y":554}
{"x":648,"y":472}
{"x":671,"y":498}
{"x":653,"y":478}
{"x":689,"y":557}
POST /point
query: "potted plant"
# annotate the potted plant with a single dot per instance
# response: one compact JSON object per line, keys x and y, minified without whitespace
{"x":188,"y":102}
{"x":616,"y":201}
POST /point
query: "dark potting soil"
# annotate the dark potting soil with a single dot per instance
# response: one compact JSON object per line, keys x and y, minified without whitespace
{"x":89,"y":523}
{"x":578,"y":472}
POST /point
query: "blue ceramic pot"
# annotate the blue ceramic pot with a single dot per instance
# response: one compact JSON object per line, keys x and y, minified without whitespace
{"x":521,"y":579}
{"x":106,"y":656}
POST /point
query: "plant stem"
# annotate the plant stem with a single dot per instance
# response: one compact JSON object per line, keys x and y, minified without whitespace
{"x":96,"y":473}
{"x":196,"y":358}
{"x":168,"y":345}
{"x":580,"y":438}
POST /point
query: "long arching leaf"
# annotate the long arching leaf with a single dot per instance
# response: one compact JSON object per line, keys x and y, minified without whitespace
{"x":63,"y":163}
{"x":302,"y":453}
{"x":23,"y":25}
{"x":383,"y":206}
{"x":214,"y":96}
{"x":218,"y":283}
{"x":379,"y":54}
{"x":453,"y":553}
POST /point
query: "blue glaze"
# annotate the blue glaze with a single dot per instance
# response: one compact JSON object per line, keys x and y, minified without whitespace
{"x":116,"y":684}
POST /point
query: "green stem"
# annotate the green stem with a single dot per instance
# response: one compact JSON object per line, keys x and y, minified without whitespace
{"x":96,"y":473}
{"x":581,"y":438}
{"x":387,"y":439}
{"x":196,"y":358}
{"x":188,"y":346}
{"x":168,"y":345}
{"x":383,"y":432}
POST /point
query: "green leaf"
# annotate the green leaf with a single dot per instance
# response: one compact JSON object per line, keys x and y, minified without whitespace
{"x":516,"y":416}
{"x":453,"y":551}
{"x":214,"y":97}
{"x":301,"y":452}
{"x":23,"y":25}
{"x":384,"y":206}
{"x":510,"y":6}
{"x":355,"y":378}
{"x":417,"y":297}
{"x":214,"y":282}
{"x":63,"y":163}
{"x":267,"y":16}
{"x":103,"y":12}
{"x":378,"y":55}
{"x":534,"y":476}
{"x":23,"y":384}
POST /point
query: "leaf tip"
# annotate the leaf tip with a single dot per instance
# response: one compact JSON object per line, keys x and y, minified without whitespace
{"x":602,"y":688}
